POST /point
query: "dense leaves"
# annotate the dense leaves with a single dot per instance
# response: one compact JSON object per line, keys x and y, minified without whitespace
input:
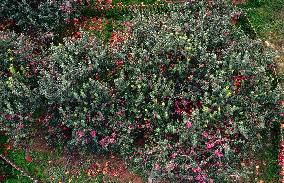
{"x":184,"y":95}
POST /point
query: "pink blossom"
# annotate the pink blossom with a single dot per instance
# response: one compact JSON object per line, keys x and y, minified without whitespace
{"x":196,"y":170}
{"x":209,"y":145}
{"x":205,"y":134}
{"x":130,"y":127}
{"x":20,"y":126}
{"x":80,"y":133}
{"x":217,"y":153}
{"x":170,"y":166}
{"x":102,"y":142}
{"x":201,"y":178}
{"x":111,"y":140}
{"x":93,"y":133}
{"x":119,"y":113}
{"x":188,"y":125}
{"x":174,"y":155}
{"x":157,"y":167}
{"x":281,"y":114}
{"x":148,"y":125}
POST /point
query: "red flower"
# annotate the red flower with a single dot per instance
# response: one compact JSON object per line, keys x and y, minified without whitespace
{"x":108,"y":1}
{"x":119,"y":62}
{"x":238,"y":81}
{"x":75,"y":20}
{"x":77,"y":35}
{"x":235,"y":17}
{"x":28,"y":158}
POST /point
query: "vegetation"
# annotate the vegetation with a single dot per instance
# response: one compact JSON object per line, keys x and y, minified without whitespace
{"x":175,"y":96}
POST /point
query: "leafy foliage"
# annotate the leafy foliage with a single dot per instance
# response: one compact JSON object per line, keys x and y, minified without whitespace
{"x":176,"y":95}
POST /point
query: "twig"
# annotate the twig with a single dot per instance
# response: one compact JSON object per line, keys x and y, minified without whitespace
{"x":24,"y":173}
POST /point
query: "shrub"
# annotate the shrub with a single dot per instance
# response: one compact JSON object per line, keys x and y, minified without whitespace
{"x":184,"y":95}
{"x":18,"y":92}
{"x":74,"y":82}
{"x":195,"y":95}
{"x":34,"y":17}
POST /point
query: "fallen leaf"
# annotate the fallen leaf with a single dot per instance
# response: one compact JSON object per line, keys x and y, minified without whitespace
{"x":28,"y":158}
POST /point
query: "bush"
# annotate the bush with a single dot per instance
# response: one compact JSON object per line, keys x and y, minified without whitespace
{"x":18,"y":91}
{"x":196,"y":96}
{"x":184,"y":96}
{"x":37,"y":16}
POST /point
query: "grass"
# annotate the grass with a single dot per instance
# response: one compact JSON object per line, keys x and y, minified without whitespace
{"x":267,"y":17}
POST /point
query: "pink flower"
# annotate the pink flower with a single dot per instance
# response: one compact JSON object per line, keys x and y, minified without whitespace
{"x":148,"y":125}
{"x":281,"y":114}
{"x":196,"y":170}
{"x":170,"y":166}
{"x":119,"y":113}
{"x":102,"y":142}
{"x":80,"y":133}
{"x":209,"y":145}
{"x":157,"y":167}
{"x":93,"y":133}
{"x":111,"y":140}
{"x":20,"y":126}
{"x":188,"y":125}
{"x":205,"y":134}
{"x":174,"y":155}
{"x":217,"y":153}
{"x":67,"y":20}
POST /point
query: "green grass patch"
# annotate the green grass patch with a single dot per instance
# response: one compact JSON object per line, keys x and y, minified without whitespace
{"x":267,"y":17}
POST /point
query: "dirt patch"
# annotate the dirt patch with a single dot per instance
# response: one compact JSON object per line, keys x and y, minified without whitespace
{"x":91,"y":164}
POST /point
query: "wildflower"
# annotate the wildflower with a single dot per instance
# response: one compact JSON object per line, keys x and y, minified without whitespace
{"x":148,"y":125}
{"x":91,"y":28}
